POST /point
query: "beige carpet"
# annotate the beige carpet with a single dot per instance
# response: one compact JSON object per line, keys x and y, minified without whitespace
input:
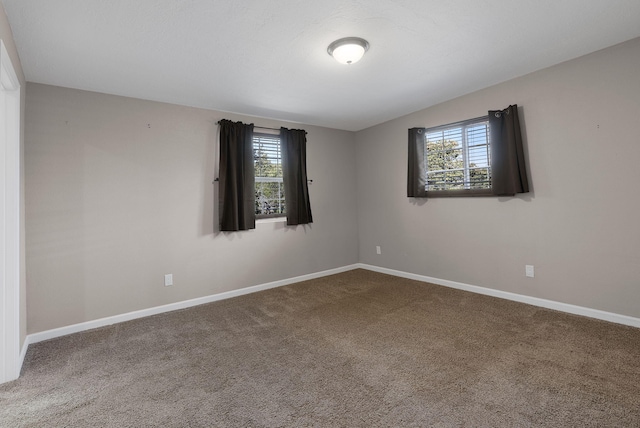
{"x":358,"y":349}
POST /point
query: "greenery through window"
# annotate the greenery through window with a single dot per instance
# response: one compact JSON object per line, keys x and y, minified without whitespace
{"x":269,"y":187}
{"x":458,"y":157}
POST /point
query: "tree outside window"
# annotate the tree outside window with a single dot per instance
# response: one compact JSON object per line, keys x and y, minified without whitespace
{"x":269,"y":187}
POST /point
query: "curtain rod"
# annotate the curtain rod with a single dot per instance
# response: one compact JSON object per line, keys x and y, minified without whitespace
{"x":261,"y":127}
{"x":266,"y":127}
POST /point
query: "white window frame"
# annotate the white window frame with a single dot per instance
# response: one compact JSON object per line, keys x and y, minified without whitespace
{"x":467,"y":190}
{"x":269,"y":134}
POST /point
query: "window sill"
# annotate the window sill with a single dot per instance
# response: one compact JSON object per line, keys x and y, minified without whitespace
{"x":458,"y":193}
{"x":271,"y":220}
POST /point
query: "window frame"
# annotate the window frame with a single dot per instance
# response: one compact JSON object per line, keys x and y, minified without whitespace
{"x":464,"y":124}
{"x":255,"y":139}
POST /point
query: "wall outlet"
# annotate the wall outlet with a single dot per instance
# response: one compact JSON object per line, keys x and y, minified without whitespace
{"x":168,"y":279}
{"x":378,"y":250}
{"x":528,"y":271}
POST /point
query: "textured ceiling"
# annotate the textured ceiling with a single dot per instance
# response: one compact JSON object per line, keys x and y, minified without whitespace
{"x":268,"y":58}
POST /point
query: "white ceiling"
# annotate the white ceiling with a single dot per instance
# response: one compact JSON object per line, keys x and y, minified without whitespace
{"x":268,"y":58}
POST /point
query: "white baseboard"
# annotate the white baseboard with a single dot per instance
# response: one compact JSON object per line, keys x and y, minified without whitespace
{"x":102,"y":322}
{"x":549,"y":304}
{"x":23,"y":351}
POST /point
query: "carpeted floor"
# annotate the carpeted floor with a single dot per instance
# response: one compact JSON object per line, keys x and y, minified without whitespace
{"x":358,"y":349}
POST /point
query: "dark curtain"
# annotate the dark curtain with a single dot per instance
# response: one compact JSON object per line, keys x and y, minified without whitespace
{"x":416,"y":171}
{"x":294,"y":173}
{"x":236,"y":192}
{"x":508,"y":171}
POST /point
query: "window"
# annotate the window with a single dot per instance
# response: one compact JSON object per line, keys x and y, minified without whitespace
{"x":255,"y":170}
{"x":476,"y":157}
{"x":269,"y":186}
{"x":458,"y":158}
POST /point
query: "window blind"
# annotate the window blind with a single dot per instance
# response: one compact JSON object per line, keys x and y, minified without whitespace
{"x":269,"y":187}
{"x":457,"y":156}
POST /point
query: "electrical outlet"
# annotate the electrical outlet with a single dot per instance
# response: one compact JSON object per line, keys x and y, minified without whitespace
{"x":378,"y":251}
{"x":168,"y":279}
{"x":528,"y":271}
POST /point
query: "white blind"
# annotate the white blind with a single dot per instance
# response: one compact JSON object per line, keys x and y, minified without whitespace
{"x":269,"y":187}
{"x":458,"y":156}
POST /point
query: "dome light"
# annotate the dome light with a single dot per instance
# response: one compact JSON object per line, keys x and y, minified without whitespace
{"x":348,"y":50}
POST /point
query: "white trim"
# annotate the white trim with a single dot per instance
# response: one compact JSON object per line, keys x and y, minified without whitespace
{"x":23,"y":353}
{"x":535,"y":301}
{"x":549,"y":304}
{"x":282,"y":219}
{"x":75,"y":328}
{"x":9,"y":219}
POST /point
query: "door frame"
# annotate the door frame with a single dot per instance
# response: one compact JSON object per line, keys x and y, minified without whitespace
{"x":10,"y":361}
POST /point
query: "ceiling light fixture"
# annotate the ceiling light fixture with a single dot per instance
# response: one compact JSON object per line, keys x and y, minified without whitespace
{"x":348,"y":50}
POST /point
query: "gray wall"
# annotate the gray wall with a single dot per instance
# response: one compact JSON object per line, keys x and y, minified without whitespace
{"x":7,"y":37}
{"x":119,"y":193}
{"x":580,"y":226}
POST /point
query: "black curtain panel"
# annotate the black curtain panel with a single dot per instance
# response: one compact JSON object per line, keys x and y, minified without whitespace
{"x":294,"y":174}
{"x":508,"y":171}
{"x":416,"y":171}
{"x":236,"y":193}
